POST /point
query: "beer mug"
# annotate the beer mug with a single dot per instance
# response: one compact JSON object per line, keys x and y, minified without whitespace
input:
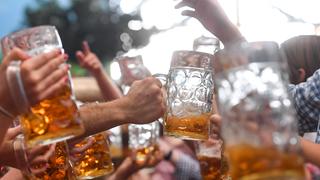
{"x":116,"y":147}
{"x":143,"y":140}
{"x":206,"y":44}
{"x":54,"y":119}
{"x":132,"y":69}
{"x":259,"y":123}
{"x":189,"y":90}
{"x":94,"y":159}
{"x":209,"y":155}
{"x":58,"y":165}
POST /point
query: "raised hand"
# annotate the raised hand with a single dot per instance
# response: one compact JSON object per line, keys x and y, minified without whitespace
{"x":213,"y":18}
{"x":89,"y":60}
{"x":41,"y":76}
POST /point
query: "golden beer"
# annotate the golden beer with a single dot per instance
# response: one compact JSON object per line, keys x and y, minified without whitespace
{"x":95,"y":161}
{"x":143,"y":153}
{"x":250,"y":163}
{"x":210,"y":167}
{"x":190,"y":127}
{"x":59,"y":168}
{"x":52,"y":120}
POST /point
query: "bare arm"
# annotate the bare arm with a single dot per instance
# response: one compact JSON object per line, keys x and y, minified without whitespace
{"x":143,"y":104}
{"x":91,"y":62}
{"x":213,"y":18}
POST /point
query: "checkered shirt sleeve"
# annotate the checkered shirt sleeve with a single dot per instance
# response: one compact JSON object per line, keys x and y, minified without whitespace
{"x":306,"y":97}
{"x":187,"y":168}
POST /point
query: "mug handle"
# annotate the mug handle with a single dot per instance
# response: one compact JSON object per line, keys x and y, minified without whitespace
{"x":163,"y":79}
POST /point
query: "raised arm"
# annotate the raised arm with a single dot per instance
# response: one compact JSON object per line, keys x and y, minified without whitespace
{"x":213,"y":18}
{"x":91,"y":62}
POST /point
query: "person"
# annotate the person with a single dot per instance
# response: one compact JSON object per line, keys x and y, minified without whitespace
{"x":212,"y":16}
{"x":305,"y":95}
{"x":303,"y":56}
{"x":40,"y":75}
{"x":91,"y":62}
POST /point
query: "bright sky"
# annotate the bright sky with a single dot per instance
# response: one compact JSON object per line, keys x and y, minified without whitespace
{"x":259,"y":20}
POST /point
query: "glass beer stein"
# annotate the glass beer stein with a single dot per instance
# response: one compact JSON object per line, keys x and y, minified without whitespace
{"x":209,"y":155}
{"x":54,"y":119}
{"x":94,"y":160}
{"x":259,"y":124}
{"x":189,"y":88}
{"x":206,"y":44}
{"x":58,"y":167}
{"x":143,"y":140}
{"x":132,"y":69}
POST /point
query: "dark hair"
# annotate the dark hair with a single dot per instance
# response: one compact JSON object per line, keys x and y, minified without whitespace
{"x":302,"y":52}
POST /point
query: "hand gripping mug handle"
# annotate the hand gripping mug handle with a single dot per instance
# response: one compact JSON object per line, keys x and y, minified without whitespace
{"x":163,"y":79}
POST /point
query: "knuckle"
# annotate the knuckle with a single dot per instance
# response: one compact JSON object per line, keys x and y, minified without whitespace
{"x":33,"y":79}
{"x":46,"y":55}
{"x":25,"y":68}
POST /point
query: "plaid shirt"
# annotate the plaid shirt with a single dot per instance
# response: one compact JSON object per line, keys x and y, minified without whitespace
{"x":306,"y":97}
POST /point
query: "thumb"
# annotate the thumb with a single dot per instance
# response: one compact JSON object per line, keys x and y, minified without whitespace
{"x":13,"y":132}
{"x":15,"y":54}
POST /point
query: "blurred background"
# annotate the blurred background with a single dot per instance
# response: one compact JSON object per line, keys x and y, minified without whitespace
{"x":152,"y":28}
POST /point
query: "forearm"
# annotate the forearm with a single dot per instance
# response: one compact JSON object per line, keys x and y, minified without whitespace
{"x":310,"y":151}
{"x":108,"y":89}
{"x":233,"y":36}
{"x":100,"y":117}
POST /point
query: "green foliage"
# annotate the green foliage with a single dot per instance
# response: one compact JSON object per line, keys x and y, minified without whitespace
{"x":92,"y":20}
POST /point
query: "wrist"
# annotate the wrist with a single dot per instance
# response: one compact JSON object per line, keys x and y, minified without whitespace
{"x":125,"y":114}
{"x":97,"y":72}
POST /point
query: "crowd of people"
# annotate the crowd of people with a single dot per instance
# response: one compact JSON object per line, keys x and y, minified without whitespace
{"x":44,"y":74}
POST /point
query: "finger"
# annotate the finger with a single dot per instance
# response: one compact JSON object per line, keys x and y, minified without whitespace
{"x":51,"y":66}
{"x":32,"y":153}
{"x":81,"y":57}
{"x":189,"y":13}
{"x":13,"y":132}
{"x":15,"y":54}
{"x":40,"y":60}
{"x":39,"y":170}
{"x":53,"y":78}
{"x":186,"y":3}
{"x":216,"y":120}
{"x":44,"y":158}
{"x":86,"y":48}
{"x":51,"y":91}
{"x":83,"y":148}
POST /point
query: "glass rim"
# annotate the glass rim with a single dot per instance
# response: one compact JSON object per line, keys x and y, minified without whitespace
{"x":29,"y":29}
{"x":203,"y":60}
{"x":23,"y":32}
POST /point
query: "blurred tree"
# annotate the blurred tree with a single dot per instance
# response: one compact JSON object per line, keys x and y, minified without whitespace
{"x":92,"y":20}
